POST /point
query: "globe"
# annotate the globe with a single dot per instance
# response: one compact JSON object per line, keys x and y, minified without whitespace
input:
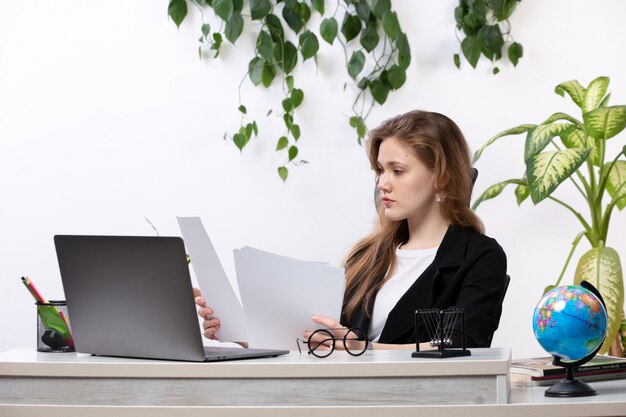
{"x":570,"y":322}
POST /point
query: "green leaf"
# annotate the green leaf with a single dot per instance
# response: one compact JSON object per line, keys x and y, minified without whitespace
{"x":605,"y":122}
{"x":293,"y":18}
{"x":545,"y":171}
{"x":297,"y":96}
{"x":457,"y":61}
{"x":616,"y":183}
{"x":276,"y":28}
{"x":206,"y":29}
{"x":318,"y":5}
{"x":493,"y":191}
{"x":240,"y":140}
{"x":305,"y":12}
{"x":177,"y":10}
{"x":283,"y":172}
{"x":243,"y":109}
{"x":234,"y":27}
{"x":309,"y":44}
{"x":491,"y":41}
{"x":380,"y":7}
{"x":255,"y":70}
{"x":594,"y":93}
{"x":287,"y":57}
{"x":350,"y":27}
{"x":293,"y":152}
{"x":265,"y":46}
{"x":356,"y":63}
{"x":287,"y":104}
{"x":379,"y":91}
{"x":224,"y":9}
{"x":539,"y":137}
{"x":521,"y":193}
{"x":601,"y":267}
{"x":295,"y":131}
{"x":328,"y":29}
{"x":513,"y":131}
{"x":471,"y":49}
{"x":369,"y":38}
{"x":259,"y":9}
{"x":237,"y":5}
{"x":563,"y":116}
{"x":495,"y":70}
{"x":269,"y":72}
{"x":289,"y":82}
{"x":548,"y":289}
{"x":288,"y":118}
{"x":255,"y":128}
{"x":282,"y":143}
{"x":605,"y":101}
{"x":574,"y":89}
{"x":515,"y":51}
{"x":391,"y":24}
{"x":217,"y":43}
{"x":577,"y":138}
{"x":363,"y":10}
{"x":396,"y":76}
{"x":404,"y":51}
{"x":502,"y":9}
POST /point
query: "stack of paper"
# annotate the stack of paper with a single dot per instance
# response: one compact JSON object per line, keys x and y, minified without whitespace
{"x":279,"y":294}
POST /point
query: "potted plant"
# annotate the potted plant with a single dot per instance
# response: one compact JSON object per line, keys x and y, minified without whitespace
{"x":564,"y":148}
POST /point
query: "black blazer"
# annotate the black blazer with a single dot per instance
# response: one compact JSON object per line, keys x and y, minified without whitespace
{"x":469,"y":271}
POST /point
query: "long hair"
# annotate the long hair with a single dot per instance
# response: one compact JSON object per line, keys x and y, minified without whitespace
{"x":439,"y":144}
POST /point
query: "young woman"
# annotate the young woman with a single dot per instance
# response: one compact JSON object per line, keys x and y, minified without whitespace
{"x":428,"y":249}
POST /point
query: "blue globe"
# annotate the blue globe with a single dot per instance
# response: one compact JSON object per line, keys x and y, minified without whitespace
{"x":570,"y":322}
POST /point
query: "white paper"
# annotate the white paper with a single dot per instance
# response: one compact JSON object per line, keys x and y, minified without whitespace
{"x":214,"y":284}
{"x":280,"y":295}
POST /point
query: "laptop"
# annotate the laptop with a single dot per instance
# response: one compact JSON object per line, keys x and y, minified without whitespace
{"x":131,"y":296}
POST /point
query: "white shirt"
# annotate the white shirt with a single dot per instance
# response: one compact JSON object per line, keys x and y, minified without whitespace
{"x":409,"y":267}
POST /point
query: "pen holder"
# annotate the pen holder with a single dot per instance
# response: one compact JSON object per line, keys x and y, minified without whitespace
{"x":54,"y":333}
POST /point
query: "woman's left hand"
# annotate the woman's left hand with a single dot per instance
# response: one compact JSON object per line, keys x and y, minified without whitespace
{"x":338,"y":331}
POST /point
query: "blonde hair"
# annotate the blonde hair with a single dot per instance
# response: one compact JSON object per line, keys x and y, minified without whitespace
{"x":438,"y":143}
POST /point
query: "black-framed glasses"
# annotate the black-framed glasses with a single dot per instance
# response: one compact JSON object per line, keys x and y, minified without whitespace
{"x":321,"y":343}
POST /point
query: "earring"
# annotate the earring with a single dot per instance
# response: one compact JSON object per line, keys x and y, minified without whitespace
{"x":437,"y":198}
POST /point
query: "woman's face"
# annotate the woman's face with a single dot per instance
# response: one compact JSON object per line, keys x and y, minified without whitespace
{"x":406,"y":185}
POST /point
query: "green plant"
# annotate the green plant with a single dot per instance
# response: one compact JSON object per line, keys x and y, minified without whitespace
{"x":482,"y":22}
{"x":579,"y":157}
{"x":376,"y":53}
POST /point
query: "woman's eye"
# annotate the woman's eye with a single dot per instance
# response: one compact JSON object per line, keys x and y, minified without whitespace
{"x":397,"y":171}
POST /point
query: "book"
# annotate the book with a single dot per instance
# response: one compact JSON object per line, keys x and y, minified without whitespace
{"x":522,"y":380}
{"x":542,"y":367}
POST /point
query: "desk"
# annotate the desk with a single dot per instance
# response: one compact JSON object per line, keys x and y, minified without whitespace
{"x":379,"y":383}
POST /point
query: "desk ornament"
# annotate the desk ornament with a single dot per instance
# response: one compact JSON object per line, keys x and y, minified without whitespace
{"x":440,"y":325}
{"x":570,"y":323}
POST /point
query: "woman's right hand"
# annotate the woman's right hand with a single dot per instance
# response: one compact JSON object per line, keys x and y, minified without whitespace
{"x":210,"y":324}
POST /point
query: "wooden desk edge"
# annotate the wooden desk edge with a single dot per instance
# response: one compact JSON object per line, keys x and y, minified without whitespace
{"x":597,"y":409}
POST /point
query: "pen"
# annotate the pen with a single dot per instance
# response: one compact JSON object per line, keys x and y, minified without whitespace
{"x":33,"y":291}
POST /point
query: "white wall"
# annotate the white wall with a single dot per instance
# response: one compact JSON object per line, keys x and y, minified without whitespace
{"x":107,"y":116}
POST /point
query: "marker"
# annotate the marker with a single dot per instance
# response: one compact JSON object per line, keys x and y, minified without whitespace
{"x":33,"y":291}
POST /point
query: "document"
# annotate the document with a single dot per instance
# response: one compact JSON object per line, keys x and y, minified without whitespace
{"x":214,"y":284}
{"x":280,"y":295}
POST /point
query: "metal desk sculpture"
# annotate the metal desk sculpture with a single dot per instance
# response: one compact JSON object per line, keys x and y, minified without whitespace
{"x":439,"y":325}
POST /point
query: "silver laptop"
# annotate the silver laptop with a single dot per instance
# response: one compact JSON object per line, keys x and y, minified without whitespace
{"x":132,"y":296}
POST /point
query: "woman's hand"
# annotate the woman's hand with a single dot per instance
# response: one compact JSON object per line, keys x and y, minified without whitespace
{"x":339,"y":332}
{"x":210,"y":324}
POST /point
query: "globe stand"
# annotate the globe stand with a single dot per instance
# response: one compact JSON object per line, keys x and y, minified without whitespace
{"x":571,"y":387}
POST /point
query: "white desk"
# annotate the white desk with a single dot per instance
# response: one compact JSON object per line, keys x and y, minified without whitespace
{"x":379,"y":383}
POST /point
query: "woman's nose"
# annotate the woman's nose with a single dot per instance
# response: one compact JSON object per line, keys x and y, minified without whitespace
{"x":383,"y":184}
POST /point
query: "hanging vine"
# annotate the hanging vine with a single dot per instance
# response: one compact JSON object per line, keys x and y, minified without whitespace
{"x":487,"y":30}
{"x":376,"y":52}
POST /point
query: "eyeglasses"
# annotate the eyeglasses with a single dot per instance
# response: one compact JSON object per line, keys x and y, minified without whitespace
{"x":321,"y":343}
